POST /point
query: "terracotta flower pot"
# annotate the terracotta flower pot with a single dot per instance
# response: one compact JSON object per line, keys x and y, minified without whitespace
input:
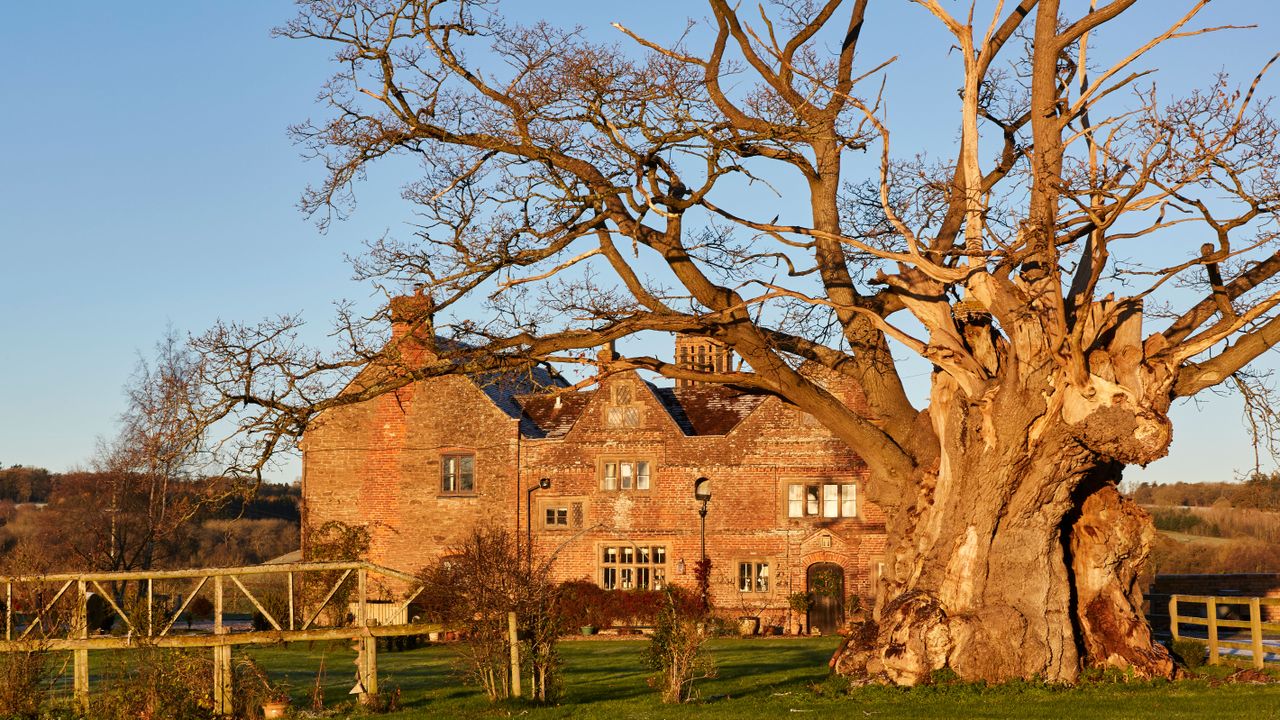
{"x":276,"y":709}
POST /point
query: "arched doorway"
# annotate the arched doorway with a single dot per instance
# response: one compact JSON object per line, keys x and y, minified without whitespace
{"x":825,"y":583}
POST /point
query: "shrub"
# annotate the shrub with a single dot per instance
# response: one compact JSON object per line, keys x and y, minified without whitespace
{"x":152,"y":683}
{"x":676,"y":652}
{"x":583,"y":603}
{"x":24,"y":683}
{"x":474,"y":588}
{"x":634,"y":607}
{"x":1190,"y":653}
{"x":333,"y":541}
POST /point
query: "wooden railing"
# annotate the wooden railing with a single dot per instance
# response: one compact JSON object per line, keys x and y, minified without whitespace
{"x":51,"y":612}
{"x":1257,"y":627}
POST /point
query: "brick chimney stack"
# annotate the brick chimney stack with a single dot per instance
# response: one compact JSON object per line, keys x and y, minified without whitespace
{"x":606,"y":355}
{"x":414,"y":313}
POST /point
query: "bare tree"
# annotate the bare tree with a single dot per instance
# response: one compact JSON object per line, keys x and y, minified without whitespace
{"x":574,"y":193}
{"x":137,"y":507}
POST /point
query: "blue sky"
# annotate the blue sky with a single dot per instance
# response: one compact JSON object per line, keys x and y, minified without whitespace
{"x":148,"y":181}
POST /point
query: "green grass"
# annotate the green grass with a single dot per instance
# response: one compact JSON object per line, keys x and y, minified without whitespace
{"x":784,"y":678}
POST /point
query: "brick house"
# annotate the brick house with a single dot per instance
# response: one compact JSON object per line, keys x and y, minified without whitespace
{"x":423,"y":465}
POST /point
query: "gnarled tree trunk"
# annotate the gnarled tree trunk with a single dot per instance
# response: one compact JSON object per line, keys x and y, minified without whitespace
{"x":1019,"y":558}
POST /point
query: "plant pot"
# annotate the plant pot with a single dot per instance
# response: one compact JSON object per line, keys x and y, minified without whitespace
{"x":276,"y":709}
{"x":748,"y":625}
{"x":433,"y":636}
{"x":588,"y":630}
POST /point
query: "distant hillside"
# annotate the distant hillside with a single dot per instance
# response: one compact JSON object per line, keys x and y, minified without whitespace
{"x":1215,"y":527}
{"x":21,"y":484}
{"x":61,"y":521}
{"x":1218,"y":539}
{"x":1260,"y":492}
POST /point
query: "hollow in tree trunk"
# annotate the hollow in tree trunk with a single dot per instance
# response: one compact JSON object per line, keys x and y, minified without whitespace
{"x":1018,"y":558}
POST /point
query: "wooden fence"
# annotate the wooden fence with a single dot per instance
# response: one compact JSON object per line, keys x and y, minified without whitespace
{"x":51,"y":612}
{"x":1258,"y":629}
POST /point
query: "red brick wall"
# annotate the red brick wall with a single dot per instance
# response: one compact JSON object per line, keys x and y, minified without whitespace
{"x":379,"y":463}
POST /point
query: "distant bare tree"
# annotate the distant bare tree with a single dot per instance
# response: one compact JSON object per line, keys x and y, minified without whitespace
{"x":585,"y":192}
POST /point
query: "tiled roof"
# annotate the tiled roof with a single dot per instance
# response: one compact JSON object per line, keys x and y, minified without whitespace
{"x":707,"y":410}
{"x":551,"y":417}
{"x":503,"y":389}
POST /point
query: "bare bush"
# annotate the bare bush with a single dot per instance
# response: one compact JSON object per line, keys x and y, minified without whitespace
{"x":473,"y":589}
{"x":155,"y":684}
{"x":676,"y":654}
{"x":25,"y":678}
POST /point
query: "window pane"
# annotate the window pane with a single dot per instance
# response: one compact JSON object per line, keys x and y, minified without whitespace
{"x":642,"y":578}
{"x":811,"y":500}
{"x":744,"y":577}
{"x":625,"y":470}
{"x":610,"y":476}
{"x":611,"y":554}
{"x":642,"y":476}
{"x":609,"y":578}
{"x":551,"y":516}
{"x":562,"y":516}
{"x":831,"y":500}
{"x":849,"y":500}
{"x":466,"y":473}
{"x":762,"y":577}
{"x":628,"y":555}
{"x":795,"y":501}
{"x":659,"y":555}
{"x":628,"y":581}
{"x":659,"y":578}
{"x":642,"y":555}
{"x":447,"y":474}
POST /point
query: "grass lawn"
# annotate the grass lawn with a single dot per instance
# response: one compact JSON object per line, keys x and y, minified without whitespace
{"x":773,"y":678}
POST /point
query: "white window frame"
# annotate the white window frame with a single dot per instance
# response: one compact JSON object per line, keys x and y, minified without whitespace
{"x":821,"y":500}
{"x":626,"y":474}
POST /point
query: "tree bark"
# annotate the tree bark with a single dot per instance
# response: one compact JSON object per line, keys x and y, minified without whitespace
{"x":1110,"y":546}
{"x":1019,"y":558}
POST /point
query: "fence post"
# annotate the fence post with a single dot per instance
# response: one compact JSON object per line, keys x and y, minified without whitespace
{"x":1255,"y":632}
{"x":8,"y":610}
{"x":151,"y":609}
{"x":362,"y":594}
{"x":1211,"y":611}
{"x":217,"y":604}
{"x":1173,"y":616}
{"x":370,"y":664}
{"x":515,"y":654}
{"x":366,"y":647}
{"x":291,"y":600}
{"x":81,"y":654}
{"x":223,"y":697}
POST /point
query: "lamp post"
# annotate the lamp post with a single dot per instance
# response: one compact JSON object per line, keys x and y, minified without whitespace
{"x":543,"y":484}
{"x":702,"y":492}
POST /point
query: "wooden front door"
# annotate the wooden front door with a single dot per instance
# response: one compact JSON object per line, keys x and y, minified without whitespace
{"x":825,"y":581}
